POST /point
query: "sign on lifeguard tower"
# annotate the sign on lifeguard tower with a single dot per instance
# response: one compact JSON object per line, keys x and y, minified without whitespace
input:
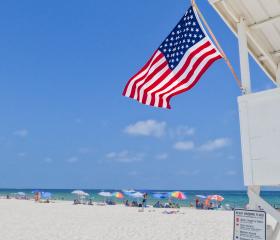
{"x":249,"y":225}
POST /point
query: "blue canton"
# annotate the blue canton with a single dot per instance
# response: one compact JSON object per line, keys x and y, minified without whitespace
{"x":186,"y":34}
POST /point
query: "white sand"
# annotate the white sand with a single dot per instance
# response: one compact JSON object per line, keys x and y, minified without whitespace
{"x":26,"y":220}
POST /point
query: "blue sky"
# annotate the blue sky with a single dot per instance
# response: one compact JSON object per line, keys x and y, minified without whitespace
{"x":65,"y":124}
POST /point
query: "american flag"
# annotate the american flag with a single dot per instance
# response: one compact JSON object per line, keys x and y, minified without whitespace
{"x":176,"y":66}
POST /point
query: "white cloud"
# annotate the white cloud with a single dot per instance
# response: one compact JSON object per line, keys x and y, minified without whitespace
{"x":48,"y":160}
{"x":182,"y":131}
{"x":72,"y":159}
{"x":124,"y":157}
{"x":21,"y":132}
{"x":215,"y":144}
{"x":161,"y":156}
{"x":184,"y":145}
{"x":146,"y":128}
{"x":231,"y":173}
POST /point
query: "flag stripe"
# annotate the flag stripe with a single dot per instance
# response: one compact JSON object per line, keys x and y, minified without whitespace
{"x":158,"y":70}
{"x":190,"y":84}
{"x":155,"y":85}
{"x":154,"y":64}
{"x":191,"y":68}
{"x":140,"y":74}
{"x":198,"y":77}
{"x":186,"y":66}
{"x":145,"y":96}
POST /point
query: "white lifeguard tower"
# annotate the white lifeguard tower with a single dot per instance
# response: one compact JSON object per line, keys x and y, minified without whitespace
{"x":256,"y":24}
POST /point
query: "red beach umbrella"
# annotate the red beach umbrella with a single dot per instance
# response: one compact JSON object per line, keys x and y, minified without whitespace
{"x":178,"y":195}
{"x":216,"y":198}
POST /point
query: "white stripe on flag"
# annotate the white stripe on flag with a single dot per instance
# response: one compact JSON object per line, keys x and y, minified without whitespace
{"x":156,"y":77}
{"x":191,"y":80}
{"x":174,"y":72}
{"x":150,"y":71}
{"x":185,"y":73}
{"x":139,"y":75}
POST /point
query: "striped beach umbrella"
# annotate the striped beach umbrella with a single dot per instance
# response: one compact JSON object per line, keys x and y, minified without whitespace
{"x":178,"y":195}
{"x":118,"y":195}
{"x":216,"y":198}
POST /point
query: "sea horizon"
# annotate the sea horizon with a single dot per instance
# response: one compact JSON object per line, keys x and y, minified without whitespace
{"x":234,"y":198}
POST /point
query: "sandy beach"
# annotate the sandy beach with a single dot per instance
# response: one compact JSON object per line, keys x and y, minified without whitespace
{"x":22,"y":220}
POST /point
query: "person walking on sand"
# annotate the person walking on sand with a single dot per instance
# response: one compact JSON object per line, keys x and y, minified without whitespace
{"x":144,"y":201}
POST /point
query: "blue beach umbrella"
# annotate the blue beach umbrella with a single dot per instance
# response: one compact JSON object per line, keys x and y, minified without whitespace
{"x":201,"y":196}
{"x":161,"y":195}
{"x":46,"y":195}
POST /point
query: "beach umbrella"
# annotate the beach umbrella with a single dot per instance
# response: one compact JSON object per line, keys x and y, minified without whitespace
{"x":160,"y":195}
{"x":216,"y":198}
{"x":178,"y":195}
{"x":128,"y":192}
{"x":201,"y":196}
{"x":137,"y":195}
{"x":105,"y":194}
{"x":118,"y":195}
{"x":21,"y":194}
{"x":80,"y":193}
{"x":46,"y":195}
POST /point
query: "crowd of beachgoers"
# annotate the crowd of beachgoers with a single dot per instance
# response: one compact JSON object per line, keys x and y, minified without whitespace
{"x":131,"y":198}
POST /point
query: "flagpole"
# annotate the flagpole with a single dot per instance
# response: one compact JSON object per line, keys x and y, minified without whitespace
{"x":243,"y":90}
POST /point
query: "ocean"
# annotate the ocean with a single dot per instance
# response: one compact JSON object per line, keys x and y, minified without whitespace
{"x":236,"y":199}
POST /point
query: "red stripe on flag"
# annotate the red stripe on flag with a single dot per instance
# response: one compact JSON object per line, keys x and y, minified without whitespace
{"x":195,"y":81}
{"x":153,"y":62}
{"x":189,"y":75}
{"x":183,"y":69}
{"x":150,"y":76}
{"x":134,"y":86}
{"x":179,"y":73}
{"x":142,"y":69}
{"x":162,"y":77}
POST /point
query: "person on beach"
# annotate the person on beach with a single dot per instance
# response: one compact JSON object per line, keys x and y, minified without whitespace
{"x":37,"y":196}
{"x":197,"y":203}
{"x":206,"y":203}
{"x":144,"y":201}
{"x":126,"y":203}
{"x":157,"y":205}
